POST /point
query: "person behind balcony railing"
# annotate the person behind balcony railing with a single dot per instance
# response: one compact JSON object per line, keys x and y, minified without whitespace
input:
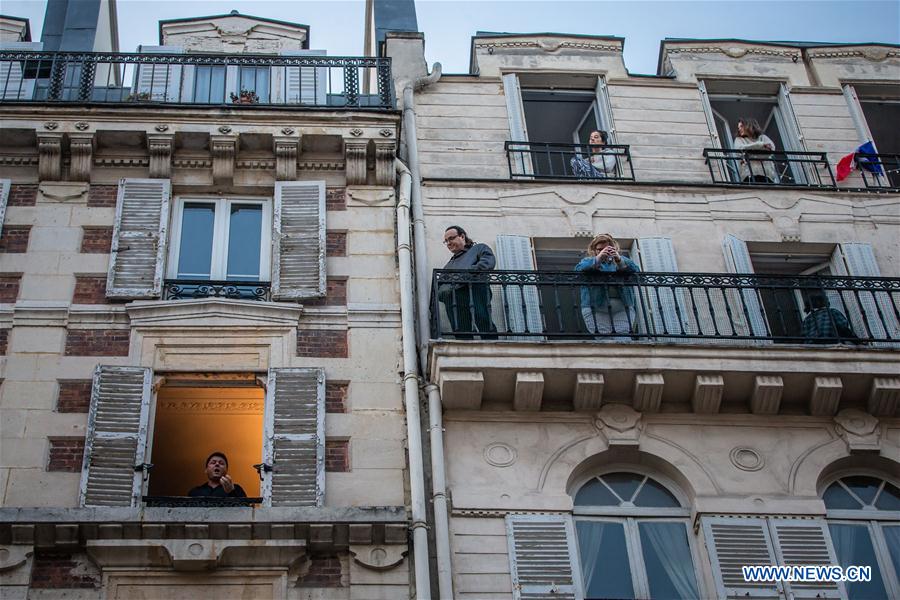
{"x":468,"y":302}
{"x":218,"y":482}
{"x":825,"y":325}
{"x":607,"y":308}
{"x":601,"y":162}
{"x":750,"y":138}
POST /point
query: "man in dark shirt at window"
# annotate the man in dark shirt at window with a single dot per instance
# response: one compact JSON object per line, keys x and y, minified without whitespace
{"x":218,"y":484}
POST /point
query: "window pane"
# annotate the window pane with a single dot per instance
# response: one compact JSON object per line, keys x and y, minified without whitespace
{"x":853,"y":546}
{"x":889,"y":498}
{"x":864,"y":487}
{"x":892,"y":536}
{"x":195,"y":254}
{"x":594,"y":493}
{"x":624,"y":484}
{"x":209,"y":84}
{"x":837,"y":497}
{"x":604,"y":559}
{"x":667,"y":558}
{"x":653,"y":494}
{"x":244,"y":238}
{"x":256,"y":79}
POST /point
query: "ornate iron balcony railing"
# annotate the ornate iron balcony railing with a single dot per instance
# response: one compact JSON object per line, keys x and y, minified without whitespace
{"x":205,"y":79}
{"x":544,"y":160}
{"x":197,"y":502}
{"x":183,"y":289}
{"x":775,"y":168}
{"x":666,"y":307}
{"x":879,"y":171}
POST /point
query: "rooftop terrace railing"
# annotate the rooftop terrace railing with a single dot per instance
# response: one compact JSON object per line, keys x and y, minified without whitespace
{"x":774,"y":168}
{"x":584,"y":162}
{"x":204,"y":79}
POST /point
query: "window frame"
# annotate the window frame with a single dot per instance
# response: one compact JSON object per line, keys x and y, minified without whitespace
{"x":219,"y":258}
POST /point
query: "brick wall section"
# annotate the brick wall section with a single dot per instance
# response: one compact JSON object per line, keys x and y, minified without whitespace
{"x":4,"y":339}
{"x":336,"y":396}
{"x":336,"y":198}
{"x":74,"y":396}
{"x":335,"y":293}
{"x":337,"y":456}
{"x":324,"y":343}
{"x":59,"y":570}
{"x":9,"y":287}
{"x":102,"y":195}
{"x":97,"y":342}
{"x":96,"y":240}
{"x":22,"y":195}
{"x":14,"y":239}
{"x":336,"y":243}
{"x":66,"y":454}
{"x":324,"y":572}
{"x":90,"y":289}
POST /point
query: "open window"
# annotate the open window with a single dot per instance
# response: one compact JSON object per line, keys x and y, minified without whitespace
{"x":875,"y":109}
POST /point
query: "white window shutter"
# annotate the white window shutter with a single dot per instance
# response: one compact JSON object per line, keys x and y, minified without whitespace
{"x":301,"y":85}
{"x":872,"y":314}
{"x":606,"y":114}
{"x":294,"y":437}
{"x":5,"y":186}
{"x":745,"y":305}
{"x":116,"y":437}
{"x":804,"y":542}
{"x":736,"y":542}
{"x":792,"y":136}
{"x":521,"y":305}
{"x":13,"y":85}
{"x":542,"y":557}
{"x":708,"y":113}
{"x":139,"y":239}
{"x":856,"y":113}
{"x":670,"y":309}
{"x":161,"y":80}
{"x":518,"y":131}
{"x":298,"y":240}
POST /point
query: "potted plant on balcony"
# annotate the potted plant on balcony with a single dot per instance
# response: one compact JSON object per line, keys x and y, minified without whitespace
{"x":245,"y":97}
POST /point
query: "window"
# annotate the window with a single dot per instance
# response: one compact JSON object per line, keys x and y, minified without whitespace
{"x":633,"y":539}
{"x":876,"y":111}
{"x":209,"y":84}
{"x":864,"y":521}
{"x":255,"y":79}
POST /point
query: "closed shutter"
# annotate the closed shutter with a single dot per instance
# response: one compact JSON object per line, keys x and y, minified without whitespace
{"x":139,"y":239}
{"x":13,"y":84}
{"x":746,"y":307}
{"x":161,"y":80}
{"x":520,"y":308}
{"x":298,"y":241}
{"x":295,"y":437}
{"x":301,"y":85}
{"x":116,"y":436}
{"x":670,"y":308}
{"x":606,"y":114}
{"x":805,"y":542}
{"x":518,"y":131}
{"x":5,"y":185}
{"x":542,"y":557}
{"x":736,"y":542}
{"x":872,"y":314}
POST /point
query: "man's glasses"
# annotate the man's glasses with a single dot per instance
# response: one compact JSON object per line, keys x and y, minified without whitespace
{"x":450,"y":239}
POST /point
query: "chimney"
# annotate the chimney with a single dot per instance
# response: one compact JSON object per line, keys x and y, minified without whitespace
{"x":80,"y":26}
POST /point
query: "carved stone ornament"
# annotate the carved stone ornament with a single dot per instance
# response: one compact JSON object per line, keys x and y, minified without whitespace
{"x":788,"y":227}
{"x":162,"y":127}
{"x":620,"y":424}
{"x":385,"y":133}
{"x":735,"y":52}
{"x":378,"y":558}
{"x":287,"y":130}
{"x":81,"y":125}
{"x":746,"y":459}
{"x":51,"y":125}
{"x":500,"y":455}
{"x":13,"y":557}
{"x":859,"y":429}
{"x":224,"y":129}
{"x":356,"y":132}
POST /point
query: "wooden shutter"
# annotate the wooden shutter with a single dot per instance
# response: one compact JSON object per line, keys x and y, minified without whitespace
{"x":856,"y":113}
{"x":295,"y":437}
{"x":521,"y":306}
{"x":606,"y":115}
{"x":542,"y":557}
{"x":872,"y":314}
{"x":139,"y":239}
{"x":708,"y":113}
{"x":733,"y":543}
{"x":804,"y":542}
{"x":518,"y":130}
{"x":161,"y":80}
{"x":746,"y":308}
{"x":792,"y":136}
{"x":670,"y":309}
{"x":5,"y":185}
{"x":13,"y":85}
{"x":298,"y":241}
{"x":302,"y":85}
{"x":116,"y":436}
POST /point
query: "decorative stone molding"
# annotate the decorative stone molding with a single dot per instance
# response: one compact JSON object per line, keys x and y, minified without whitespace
{"x":588,"y":391}
{"x":15,"y":570}
{"x":264,"y":164}
{"x":195,"y":554}
{"x":355,"y":160}
{"x":746,"y":459}
{"x":385,"y":172}
{"x":223,"y":148}
{"x":81,"y":147}
{"x":82,"y":125}
{"x":386,"y":133}
{"x":19,"y":160}
{"x":224,"y":129}
{"x":884,"y":396}
{"x":648,"y":389}
{"x":356,"y":132}
{"x":872,"y":53}
{"x":49,"y":156}
{"x":620,"y":424}
{"x":547,"y":45}
{"x":860,"y":430}
{"x":461,"y":389}
{"x":708,"y":391}
{"x":378,"y":558}
{"x":51,"y":126}
{"x":767,"y":391}
{"x":287,"y":130}
{"x":788,"y":228}
{"x":500,"y":455}
{"x":322,"y":165}
{"x":162,"y":127}
{"x":826,"y":396}
{"x":286,"y":152}
{"x":160,"y":149}
{"x":579,"y":221}
{"x":194,"y":162}
{"x":736,"y":51}
{"x":121,"y":161}
{"x":529,"y":391}
{"x":13,"y":557}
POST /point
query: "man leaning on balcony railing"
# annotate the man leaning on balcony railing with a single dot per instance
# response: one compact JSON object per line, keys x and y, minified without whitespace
{"x":607,"y":308}
{"x":468,"y":304}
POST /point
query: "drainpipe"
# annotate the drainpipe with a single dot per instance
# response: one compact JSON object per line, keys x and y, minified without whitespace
{"x":411,"y":388}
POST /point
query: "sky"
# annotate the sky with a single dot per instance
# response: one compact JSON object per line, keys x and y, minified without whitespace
{"x":338,"y":25}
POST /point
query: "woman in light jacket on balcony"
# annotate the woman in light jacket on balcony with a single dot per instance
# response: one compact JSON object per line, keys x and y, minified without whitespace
{"x":607,"y":308}
{"x":602,"y":161}
{"x":750,"y":137}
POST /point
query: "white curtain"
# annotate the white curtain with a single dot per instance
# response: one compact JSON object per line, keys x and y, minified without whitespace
{"x":590,"y":540}
{"x":669,"y":542}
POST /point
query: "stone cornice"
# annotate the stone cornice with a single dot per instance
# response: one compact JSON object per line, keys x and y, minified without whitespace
{"x":736,"y":50}
{"x":872,"y":53}
{"x":547,"y":45}
{"x":213,"y":312}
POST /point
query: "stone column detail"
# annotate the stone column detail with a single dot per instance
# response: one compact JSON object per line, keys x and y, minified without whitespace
{"x":160,"y":148}
{"x":81,"y":149}
{"x":385,"y":172}
{"x":223,"y":149}
{"x":286,"y":151}
{"x":355,"y":158}
{"x":49,"y":156}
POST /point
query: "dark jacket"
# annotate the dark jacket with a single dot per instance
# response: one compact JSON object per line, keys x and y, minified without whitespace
{"x":477,"y":257}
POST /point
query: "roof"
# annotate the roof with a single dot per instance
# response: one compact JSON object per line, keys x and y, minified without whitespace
{"x":235,"y":13}
{"x":499,"y":34}
{"x":27,"y":36}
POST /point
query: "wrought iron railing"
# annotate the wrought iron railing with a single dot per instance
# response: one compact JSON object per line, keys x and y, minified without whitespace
{"x":182,"y":289}
{"x":197,"y":502}
{"x":879,"y":171}
{"x":207,"y":79}
{"x":668,"y":307}
{"x":585,"y":162}
{"x":764,"y":167}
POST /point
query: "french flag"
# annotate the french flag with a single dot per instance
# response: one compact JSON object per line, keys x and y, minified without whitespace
{"x":863,"y":157}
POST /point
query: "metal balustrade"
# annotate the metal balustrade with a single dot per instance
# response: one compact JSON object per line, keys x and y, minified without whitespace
{"x":182,"y":289}
{"x":764,"y":167}
{"x":205,"y":79}
{"x":666,"y":307}
{"x":543,"y":160}
{"x":198,"y":502}
{"x":879,"y":171}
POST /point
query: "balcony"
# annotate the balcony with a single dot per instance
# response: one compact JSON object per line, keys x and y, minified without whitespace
{"x":777,"y":168}
{"x":195,"y":79}
{"x":694,"y":340}
{"x":543,"y":160}
{"x":183,"y":289}
{"x":879,"y":171}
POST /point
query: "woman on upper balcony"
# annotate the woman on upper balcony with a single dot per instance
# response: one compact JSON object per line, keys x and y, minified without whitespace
{"x":751,"y":138}
{"x":607,"y":308}
{"x":602,"y":160}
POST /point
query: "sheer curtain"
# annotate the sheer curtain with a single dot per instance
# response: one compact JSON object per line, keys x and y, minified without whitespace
{"x":590,"y":540}
{"x":669,"y":542}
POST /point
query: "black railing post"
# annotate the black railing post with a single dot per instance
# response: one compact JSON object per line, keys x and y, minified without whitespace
{"x":86,"y":79}
{"x":351,"y":84}
{"x":385,"y":83}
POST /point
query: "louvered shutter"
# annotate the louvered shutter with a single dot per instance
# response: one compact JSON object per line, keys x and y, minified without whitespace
{"x":161,"y":80}
{"x":670,"y":308}
{"x":295,"y":437}
{"x":792,"y":136}
{"x":542,"y":557}
{"x":13,"y":84}
{"x":139,"y":239}
{"x":298,"y":241}
{"x":718,"y":165}
{"x":804,"y":542}
{"x":601,"y":92}
{"x":518,"y":131}
{"x":116,"y":436}
{"x":746,"y":307}
{"x":736,"y":542}
{"x":872,"y":314}
{"x":520,"y":308}
{"x":301,"y":85}
{"x":5,"y":185}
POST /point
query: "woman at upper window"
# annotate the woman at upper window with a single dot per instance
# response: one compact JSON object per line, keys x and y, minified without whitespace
{"x":602,"y":161}
{"x":750,"y":137}
{"x":607,"y":308}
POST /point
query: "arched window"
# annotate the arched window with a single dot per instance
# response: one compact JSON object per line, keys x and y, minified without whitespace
{"x":864,"y":520}
{"x":633,"y":539}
